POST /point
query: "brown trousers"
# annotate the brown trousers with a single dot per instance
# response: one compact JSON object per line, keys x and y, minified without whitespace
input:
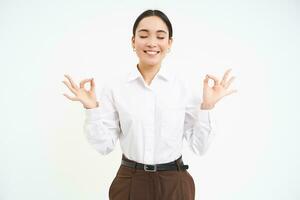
{"x":137,"y":184}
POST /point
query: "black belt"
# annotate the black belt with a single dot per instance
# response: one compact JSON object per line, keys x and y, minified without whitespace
{"x":174,"y":165}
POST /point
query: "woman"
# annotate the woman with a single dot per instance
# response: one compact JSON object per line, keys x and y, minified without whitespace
{"x":150,"y":112}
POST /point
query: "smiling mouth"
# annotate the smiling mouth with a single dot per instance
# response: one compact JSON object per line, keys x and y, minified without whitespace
{"x":152,"y":52}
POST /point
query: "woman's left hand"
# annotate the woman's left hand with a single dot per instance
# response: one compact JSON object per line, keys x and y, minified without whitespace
{"x":211,"y":95}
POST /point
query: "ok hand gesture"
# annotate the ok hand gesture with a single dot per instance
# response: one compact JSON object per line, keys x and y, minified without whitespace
{"x":211,"y":95}
{"x":86,"y":97}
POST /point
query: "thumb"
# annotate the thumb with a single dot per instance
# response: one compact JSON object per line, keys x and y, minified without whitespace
{"x":93,"y":85}
{"x":205,"y":81}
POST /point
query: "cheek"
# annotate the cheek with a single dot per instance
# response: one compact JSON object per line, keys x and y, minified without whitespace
{"x":139,"y":44}
{"x":164,"y":45}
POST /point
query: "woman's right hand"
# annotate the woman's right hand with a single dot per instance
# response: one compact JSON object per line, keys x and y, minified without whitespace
{"x":86,"y":97}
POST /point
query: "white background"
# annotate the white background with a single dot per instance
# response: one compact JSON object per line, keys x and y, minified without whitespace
{"x":43,"y":151}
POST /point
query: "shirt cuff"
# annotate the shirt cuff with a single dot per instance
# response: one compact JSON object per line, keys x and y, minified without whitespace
{"x":93,"y":113}
{"x":204,"y":115}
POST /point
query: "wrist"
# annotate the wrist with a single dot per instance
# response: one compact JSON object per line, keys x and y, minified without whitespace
{"x":92,"y":106}
{"x":206,"y":106}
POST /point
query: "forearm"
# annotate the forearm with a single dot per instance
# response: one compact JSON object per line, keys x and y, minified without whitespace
{"x":199,"y":131}
{"x":101,"y":133}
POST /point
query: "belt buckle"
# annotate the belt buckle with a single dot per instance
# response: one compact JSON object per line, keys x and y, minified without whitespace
{"x":150,"y":170}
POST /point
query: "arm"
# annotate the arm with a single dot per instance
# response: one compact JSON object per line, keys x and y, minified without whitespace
{"x":101,"y":124}
{"x":199,"y":126}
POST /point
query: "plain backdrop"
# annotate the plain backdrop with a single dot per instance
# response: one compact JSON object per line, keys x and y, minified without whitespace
{"x":44,"y":153}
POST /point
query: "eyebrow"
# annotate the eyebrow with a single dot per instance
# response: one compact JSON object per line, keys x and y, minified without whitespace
{"x":158,"y":31}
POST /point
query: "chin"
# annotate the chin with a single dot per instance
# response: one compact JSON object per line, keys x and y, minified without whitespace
{"x":151,"y":62}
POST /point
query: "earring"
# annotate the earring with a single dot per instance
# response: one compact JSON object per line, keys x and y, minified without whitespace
{"x":168,"y":51}
{"x":134,"y":49}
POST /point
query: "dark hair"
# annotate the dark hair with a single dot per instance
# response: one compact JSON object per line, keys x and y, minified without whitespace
{"x":149,"y":13}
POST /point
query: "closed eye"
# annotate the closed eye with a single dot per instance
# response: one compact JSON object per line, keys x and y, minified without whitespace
{"x":160,"y":38}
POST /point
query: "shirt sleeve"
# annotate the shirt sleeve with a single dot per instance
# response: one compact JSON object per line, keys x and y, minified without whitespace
{"x":199,"y":125}
{"x":101,"y":125}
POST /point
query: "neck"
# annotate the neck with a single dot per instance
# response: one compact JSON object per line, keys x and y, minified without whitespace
{"x":148,"y":71}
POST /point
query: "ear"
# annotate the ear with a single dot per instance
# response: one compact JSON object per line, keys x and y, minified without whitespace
{"x":132,"y":41}
{"x":170,"y":42}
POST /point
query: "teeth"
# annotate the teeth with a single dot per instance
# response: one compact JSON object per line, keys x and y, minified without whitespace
{"x":152,"y":52}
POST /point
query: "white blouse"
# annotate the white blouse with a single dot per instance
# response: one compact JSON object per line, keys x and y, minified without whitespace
{"x":150,"y":122}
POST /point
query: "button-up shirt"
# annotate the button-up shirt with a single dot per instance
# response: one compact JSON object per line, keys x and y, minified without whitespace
{"x":150,"y":121}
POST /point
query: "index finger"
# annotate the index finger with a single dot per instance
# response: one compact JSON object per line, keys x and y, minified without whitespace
{"x":83,"y":82}
{"x":215,"y":79}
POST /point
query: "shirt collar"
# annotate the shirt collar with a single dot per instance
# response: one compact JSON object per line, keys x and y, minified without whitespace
{"x":135,"y":73}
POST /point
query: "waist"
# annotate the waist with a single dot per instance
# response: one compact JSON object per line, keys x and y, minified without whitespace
{"x":173,"y":165}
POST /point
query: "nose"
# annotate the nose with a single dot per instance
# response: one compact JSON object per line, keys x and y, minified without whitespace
{"x":151,"y":42}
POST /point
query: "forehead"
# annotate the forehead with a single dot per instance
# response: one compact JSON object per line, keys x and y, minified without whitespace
{"x":152,"y":23}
